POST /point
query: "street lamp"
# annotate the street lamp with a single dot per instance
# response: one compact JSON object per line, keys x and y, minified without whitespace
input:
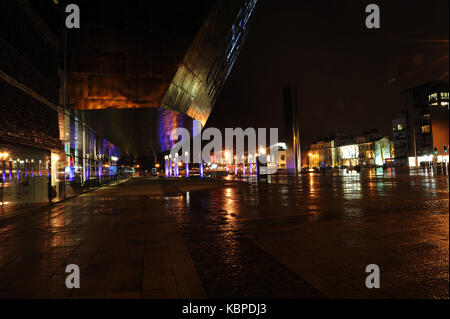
{"x":3,"y":157}
{"x":186,"y":154}
{"x":201,"y":165}
{"x":227,"y":156}
{"x":170,"y":165}
{"x":166,"y":166}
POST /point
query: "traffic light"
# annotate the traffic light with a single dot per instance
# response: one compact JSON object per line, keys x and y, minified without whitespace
{"x":445,"y":148}
{"x":435,"y":150}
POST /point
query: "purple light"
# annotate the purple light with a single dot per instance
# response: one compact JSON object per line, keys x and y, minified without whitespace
{"x":187,"y":164}
{"x":201,"y":166}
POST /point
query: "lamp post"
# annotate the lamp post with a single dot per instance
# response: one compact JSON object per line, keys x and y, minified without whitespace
{"x":201,"y":166}
{"x":227,"y":156}
{"x":3,"y":157}
{"x":166,"y":166}
{"x":187,"y":163}
{"x":176,"y":165}
{"x":10,"y":169}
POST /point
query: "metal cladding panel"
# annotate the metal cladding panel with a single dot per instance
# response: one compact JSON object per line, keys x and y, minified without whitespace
{"x":209,"y":60}
{"x":176,"y":59}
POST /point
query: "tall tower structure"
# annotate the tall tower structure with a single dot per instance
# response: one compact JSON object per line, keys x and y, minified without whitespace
{"x":291,"y":133}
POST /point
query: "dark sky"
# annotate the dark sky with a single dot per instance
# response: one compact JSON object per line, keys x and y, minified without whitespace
{"x":349,"y":77}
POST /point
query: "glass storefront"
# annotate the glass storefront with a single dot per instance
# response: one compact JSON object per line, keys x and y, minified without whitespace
{"x":87,"y":161}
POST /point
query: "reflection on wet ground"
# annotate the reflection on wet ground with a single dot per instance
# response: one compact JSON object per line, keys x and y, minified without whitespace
{"x":275,"y":239}
{"x":218,"y":225}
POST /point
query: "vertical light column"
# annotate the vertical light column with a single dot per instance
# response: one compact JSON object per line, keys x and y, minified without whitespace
{"x":3,"y":169}
{"x":250,"y":164}
{"x":99,"y":171}
{"x":170,"y":165}
{"x":187,"y":163}
{"x":18,"y":169}
{"x":201,"y":166}
{"x":11,"y":169}
{"x":227,"y":156}
{"x":235,"y":166}
{"x":176,"y":165}
{"x":243,"y":165}
{"x":166,"y":166}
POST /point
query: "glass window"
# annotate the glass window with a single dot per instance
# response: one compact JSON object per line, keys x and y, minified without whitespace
{"x":399,"y":127}
{"x":444,"y":96}
{"x":425,"y":129}
{"x":432,"y":97}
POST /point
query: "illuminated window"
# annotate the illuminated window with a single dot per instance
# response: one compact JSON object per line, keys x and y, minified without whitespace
{"x":425,"y":129}
{"x":444,"y":96}
{"x":432,"y":97}
{"x":399,"y":127}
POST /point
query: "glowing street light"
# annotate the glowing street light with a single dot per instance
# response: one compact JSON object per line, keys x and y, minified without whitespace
{"x":176,"y":165}
{"x":186,"y":154}
{"x":170,"y":165}
{"x":201,"y":165}
{"x":3,"y":157}
{"x":166,"y":166}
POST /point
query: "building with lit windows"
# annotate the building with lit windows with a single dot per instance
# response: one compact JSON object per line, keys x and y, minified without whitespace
{"x":366,"y":150}
{"x":41,"y":141}
{"x":116,"y":86}
{"x":400,"y":139}
{"x":424,"y":125}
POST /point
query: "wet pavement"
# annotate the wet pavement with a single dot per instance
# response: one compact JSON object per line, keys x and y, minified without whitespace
{"x":309,"y":237}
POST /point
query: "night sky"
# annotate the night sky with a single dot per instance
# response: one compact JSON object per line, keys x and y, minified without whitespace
{"x":349,"y":77}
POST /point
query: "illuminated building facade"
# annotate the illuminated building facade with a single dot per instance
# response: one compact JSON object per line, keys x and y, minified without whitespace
{"x":367,"y":150}
{"x":426,"y":124}
{"x":400,"y":139}
{"x":40,"y":140}
{"x":164,"y":68}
